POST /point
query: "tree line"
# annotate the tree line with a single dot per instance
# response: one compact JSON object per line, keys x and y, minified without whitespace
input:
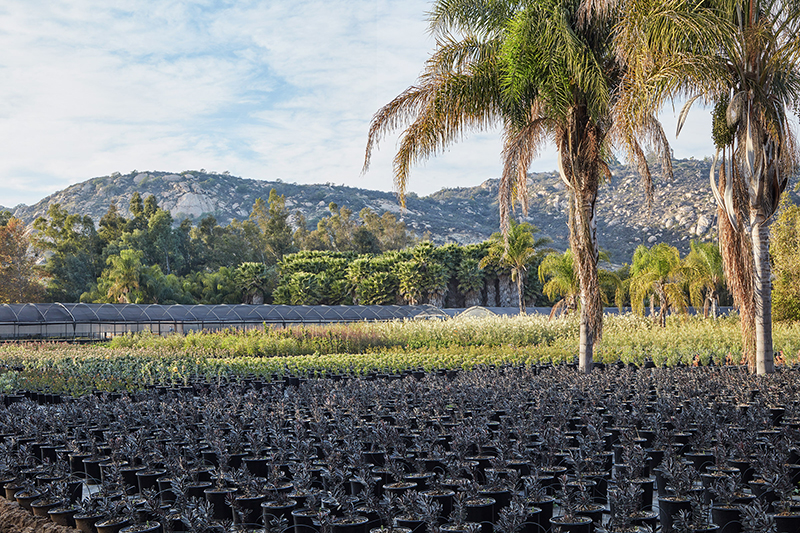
{"x":369,"y":260}
{"x":147,"y":258}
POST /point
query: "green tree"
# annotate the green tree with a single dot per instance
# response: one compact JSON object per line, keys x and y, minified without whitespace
{"x":742,"y":56}
{"x":161,"y":241}
{"x":74,"y":253}
{"x":544,"y":70}
{"x":138,"y":220}
{"x":391,"y":233}
{"x":123,"y":276}
{"x":273,"y":221}
{"x":112,"y":225}
{"x":516,"y":251}
{"x":657,"y":272}
{"x":470,"y":280}
{"x":20,"y":280}
{"x":557,"y":272}
{"x":785,"y":251}
{"x":255,"y":281}
{"x":705,"y":276}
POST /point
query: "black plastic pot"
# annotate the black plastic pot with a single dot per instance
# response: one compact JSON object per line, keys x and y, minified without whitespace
{"x":728,"y":518}
{"x":445,"y":499}
{"x":220,"y":510}
{"x":25,"y":499}
{"x":148,"y":479}
{"x":481,"y":511}
{"x":546,"y":513}
{"x":303,"y":520}
{"x":41,"y":507}
{"x":416,"y":525}
{"x":668,"y":508}
{"x":356,"y":524}
{"x":86,"y":523}
{"x":579,"y":524}
{"x":150,"y":528}
{"x":271,"y":510}
{"x":787,"y":523}
{"x":249,"y":507}
{"x":112,"y":526}
{"x":63,"y":516}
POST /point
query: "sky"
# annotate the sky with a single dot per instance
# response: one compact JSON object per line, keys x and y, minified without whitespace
{"x":274,"y":89}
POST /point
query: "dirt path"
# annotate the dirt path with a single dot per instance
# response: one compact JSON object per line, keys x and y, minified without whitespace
{"x":14,"y":519}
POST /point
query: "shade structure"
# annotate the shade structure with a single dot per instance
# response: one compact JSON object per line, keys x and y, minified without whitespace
{"x":101,"y":321}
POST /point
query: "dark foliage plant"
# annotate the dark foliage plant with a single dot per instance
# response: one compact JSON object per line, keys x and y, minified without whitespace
{"x":333,"y":445}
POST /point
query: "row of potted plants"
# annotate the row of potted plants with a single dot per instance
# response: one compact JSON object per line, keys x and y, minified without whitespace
{"x":512,"y":449}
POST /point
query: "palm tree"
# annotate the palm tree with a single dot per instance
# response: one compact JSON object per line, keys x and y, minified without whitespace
{"x":743,"y":56}
{"x":516,"y":251}
{"x":657,"y":272}
{"x":123,"y":273}
{"x":705,"y":276}
{"x":557,"y":273}
{"x":544,"y":70}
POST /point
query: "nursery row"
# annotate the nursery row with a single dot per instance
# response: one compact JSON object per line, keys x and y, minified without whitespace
{"x":515,"y":450}
{"x":137,"y":362}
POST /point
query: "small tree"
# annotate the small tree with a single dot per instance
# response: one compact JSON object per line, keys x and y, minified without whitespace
{"x":516,"y":252}
{"x":783,"y":250}
{"x":657,"y":272}
{"x":705,"y":276}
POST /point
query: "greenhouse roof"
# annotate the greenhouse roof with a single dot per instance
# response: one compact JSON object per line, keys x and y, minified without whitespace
{"x":57,"y":313}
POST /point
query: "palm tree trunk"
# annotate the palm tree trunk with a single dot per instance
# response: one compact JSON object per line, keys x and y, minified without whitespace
{"x":584,"y":244}
{"x":662,"y":306}
{"x":586,"y":353}
{"x":519,"y":293}
{"x":579,"y":164}
{"x":763,"y":298}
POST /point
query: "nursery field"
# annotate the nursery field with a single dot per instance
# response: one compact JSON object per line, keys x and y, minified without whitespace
{"x":134,"y":362}
{"x":425,"y":427}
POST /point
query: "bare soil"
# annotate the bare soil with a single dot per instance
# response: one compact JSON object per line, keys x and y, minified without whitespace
{"x":14,"y":519}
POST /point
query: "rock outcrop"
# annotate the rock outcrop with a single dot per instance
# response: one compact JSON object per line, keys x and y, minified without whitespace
{"x":682,"y":208}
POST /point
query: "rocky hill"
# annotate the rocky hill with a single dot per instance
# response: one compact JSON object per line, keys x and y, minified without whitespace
{"x":683,"y":208}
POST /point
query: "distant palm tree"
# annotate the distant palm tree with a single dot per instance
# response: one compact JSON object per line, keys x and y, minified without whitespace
{"x":705,"y":276}
{"x":657,"y":272}
{"x":543,"y":70}
{"x":743,"y":56}
{"x":123,"y":273}
{"x":557,"y":273}
{"x":516,"y":251}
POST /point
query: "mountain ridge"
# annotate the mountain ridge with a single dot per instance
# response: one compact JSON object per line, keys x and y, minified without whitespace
{"x":683,"y":207}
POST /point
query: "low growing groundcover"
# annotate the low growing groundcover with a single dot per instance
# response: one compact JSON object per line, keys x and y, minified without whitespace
{"x":508,"y":448}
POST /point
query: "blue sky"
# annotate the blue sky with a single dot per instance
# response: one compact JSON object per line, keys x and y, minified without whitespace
{"x":262,"y":89}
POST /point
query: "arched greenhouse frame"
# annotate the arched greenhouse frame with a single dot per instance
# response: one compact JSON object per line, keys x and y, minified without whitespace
{"x":75,"y":321}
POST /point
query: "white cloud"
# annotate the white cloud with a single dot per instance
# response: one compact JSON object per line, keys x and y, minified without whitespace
{"x":262,"y":89}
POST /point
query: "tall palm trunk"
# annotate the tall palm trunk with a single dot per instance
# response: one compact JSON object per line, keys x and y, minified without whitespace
{"x":579,"y":162}
{"x":520,"y":292}
{"x":763,"y":298}
{"x":662,"y":305}
{"x":584,"y":242}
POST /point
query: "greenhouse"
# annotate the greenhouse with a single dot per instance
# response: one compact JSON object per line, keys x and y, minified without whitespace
{"x":103,"y":321}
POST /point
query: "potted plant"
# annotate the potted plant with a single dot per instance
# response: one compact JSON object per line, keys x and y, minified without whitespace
{"x":680,"y":477}
{"x":786,"y":520}
{"x":458,"y":522}
{"x":117,"y":514}
{"x":726,"y":493}
{"x":570,"y":499}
